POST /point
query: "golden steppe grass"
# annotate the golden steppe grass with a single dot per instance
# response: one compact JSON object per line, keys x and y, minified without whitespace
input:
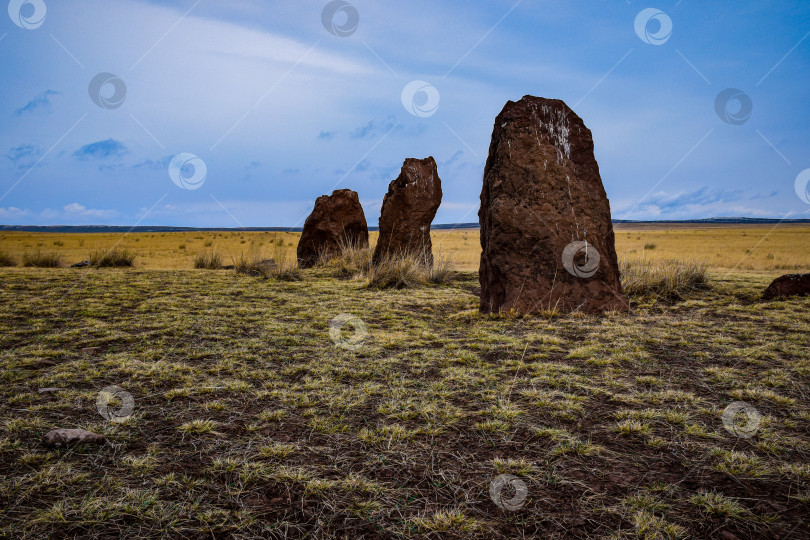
{"x":767,"y":248}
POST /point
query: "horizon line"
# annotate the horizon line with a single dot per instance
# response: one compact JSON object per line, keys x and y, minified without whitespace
{"x":440,"y":226}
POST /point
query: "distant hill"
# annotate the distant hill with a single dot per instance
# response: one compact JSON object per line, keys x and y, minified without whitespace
{"x":750,"y":220}
{"x":147,"y":228}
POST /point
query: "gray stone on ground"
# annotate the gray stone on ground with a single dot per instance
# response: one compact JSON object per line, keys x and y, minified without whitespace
{"x":69,"y":437}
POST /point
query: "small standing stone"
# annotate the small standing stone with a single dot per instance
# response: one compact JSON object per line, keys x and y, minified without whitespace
{"x":788,"y":285}
{"x":336,"y":220}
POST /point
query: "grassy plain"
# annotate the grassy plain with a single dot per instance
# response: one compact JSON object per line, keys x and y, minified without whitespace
{"x":252,"y":419}
{"x":762,"y":247}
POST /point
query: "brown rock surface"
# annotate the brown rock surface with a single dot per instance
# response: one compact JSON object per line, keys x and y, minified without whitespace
{"x":67,"y":437}
{"x":336,"y":219}
{"x":408,"y":210}
{"x":788,"y":285}
{"x":546,"y":235}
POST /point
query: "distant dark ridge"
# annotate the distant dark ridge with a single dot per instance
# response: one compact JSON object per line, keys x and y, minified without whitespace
{"x":159,"y":229}
{"x":751,"y":220}
{"x":140,"y":229}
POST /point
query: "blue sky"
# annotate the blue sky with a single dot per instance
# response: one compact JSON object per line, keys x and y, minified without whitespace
{"x":275,"y":107}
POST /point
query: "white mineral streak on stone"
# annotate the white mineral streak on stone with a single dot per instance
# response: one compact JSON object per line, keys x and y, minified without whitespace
{"x":571,"y":200}
{"x":558,"y":131}
{"x":536,"y":135}
{"x":410,"y":170}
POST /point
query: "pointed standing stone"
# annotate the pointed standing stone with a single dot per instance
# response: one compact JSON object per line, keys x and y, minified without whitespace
{"x":408,"y":210}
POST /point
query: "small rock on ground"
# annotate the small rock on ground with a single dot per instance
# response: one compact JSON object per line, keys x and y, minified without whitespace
{"x":68,"y":437}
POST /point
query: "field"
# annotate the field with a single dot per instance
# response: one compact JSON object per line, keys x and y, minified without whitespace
{"x":765,"y":248}
{"x":256,"y":416}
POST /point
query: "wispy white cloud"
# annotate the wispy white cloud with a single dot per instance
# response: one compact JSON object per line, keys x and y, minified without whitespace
{"x":41,"y":104}
{"x":76,"y":209}
{"x":109,"y":149}
{"x":25,"y":156}
{"x":701,"y":203}
{"x":13,"y":213}
{"x":73,"y":213}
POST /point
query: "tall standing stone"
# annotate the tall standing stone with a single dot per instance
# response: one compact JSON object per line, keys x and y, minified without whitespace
{"x":336,"y":220}
{"x":546,"y":233}
{"x":408,"y":210}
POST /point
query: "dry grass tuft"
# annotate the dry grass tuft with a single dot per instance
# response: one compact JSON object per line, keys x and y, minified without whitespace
{"x":280,"y":267}
{"x":210,"y":260}
{"x":111,"y":258}
{"x":252,"y":265}
{"x":442,"y":272}
{"x":402,"y":271}
{"x":397,"y":272}
{"x":40,"y":259}
{"x":408,"y":270}
{"x":286,"y":268}
{"x":352,"y":260}
{"x":663,"y":280}
{"x":6,"y":259}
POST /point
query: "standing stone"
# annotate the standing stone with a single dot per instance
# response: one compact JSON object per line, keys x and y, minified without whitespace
{"x":788,"y":285}
{"x":336,"y":220}
{"x":408,"y":210}
{"x":546,"y":234}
